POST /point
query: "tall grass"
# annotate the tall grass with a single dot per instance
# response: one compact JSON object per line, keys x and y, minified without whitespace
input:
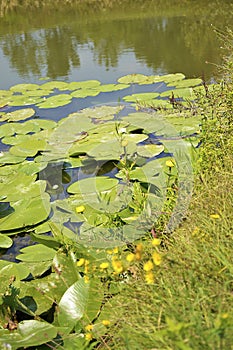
{"x":190,"y":305}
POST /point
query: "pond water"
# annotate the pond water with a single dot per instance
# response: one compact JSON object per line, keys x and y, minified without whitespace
{"x":79,"y":42}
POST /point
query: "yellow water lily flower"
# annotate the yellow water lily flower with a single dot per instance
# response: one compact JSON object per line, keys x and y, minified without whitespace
{"x":169,"y":163}
{"x":80,"y":209}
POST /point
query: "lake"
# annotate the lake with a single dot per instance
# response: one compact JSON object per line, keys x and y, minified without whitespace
{"x":105,"y":41}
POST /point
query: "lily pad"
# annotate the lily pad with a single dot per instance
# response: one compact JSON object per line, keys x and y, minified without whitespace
{"x":50,"y":85}
{"x":149,"y":150}
{"x":87,"y":84}
{"x":28,"y":149}
{"x":8,"y":158}
{"x":55,"y":101}
{"x":24,"y":87}
{"x":5,"y":241}
{"x":20,"y":114}
{"x":92,"y":185}
{"x":140,"y":97}
{"x":84,"y":93}
{"x":27,"y":212}
{"x":186,"y":83}
{"x":38,"y":252}
{"x":132,"y":79}
{"x":179,"y":93}
{"x":111,"y":87}
{"x":24,"y":100}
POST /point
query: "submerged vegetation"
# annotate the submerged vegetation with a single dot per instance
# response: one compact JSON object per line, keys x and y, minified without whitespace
{"x":114,"y":257}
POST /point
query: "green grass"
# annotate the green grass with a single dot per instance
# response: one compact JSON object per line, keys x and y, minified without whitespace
{"x":190,"y":304}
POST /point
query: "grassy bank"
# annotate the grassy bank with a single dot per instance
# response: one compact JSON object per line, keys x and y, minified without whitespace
{"x":189,"y":304}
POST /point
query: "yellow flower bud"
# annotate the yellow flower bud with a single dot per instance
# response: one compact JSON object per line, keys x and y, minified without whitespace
{"x":106,"y":322}
{"x":156,"y":241}
{"x":156,"y":258}
{"x":104,"y":265}
{"x":81,"y":262}
{"x":89,"y":327}
{"x":149,"y":277}
{"x":130,"y":257}
{"x":148,"y":266}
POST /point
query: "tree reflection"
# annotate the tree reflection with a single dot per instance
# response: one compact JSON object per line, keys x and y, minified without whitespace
{"x":164,"y":40}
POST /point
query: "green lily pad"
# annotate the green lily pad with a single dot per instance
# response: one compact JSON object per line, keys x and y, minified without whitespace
{"x":28,"y":149}
{"x":50,"y":85}
{"x":140,"y":97}
{"x":149,"y":150}
{"x":171,"y":77}
{"x":87,"y":84}
{"x":24,"y":100}
{"x":20,"y":114}
{"x":111,"y":87}
{"x":84,"y":93}
{"x":5,"y":241}
{"x":27,"y":212}
{"x":24,"y":87}
{"x":179,"y":93}
{"x":92,"y":185}
{"x":8,"y":158}
{"x":186,"y":83}
{"x":55,"y":101}
{"x":132,"y":79}
{"x":38,"y":252}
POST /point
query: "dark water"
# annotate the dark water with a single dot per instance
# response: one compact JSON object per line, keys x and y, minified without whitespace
{"x":77,"y":42}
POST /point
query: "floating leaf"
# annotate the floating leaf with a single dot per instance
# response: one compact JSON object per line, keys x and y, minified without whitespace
{"x":5,"y":241}
{"x":61,"y":85}
{"x":140,"y":97}
{"x":24,"y":100}
{"x":111,"y":87}
{"x":24,"y":87}
{"x":88,"y":84}
{"x":8,"y":158}
{"x":93,"y":185}
{"x":38,"y":252}
{"x":186,"y":83}
{"x":28,"y":149}
{"x":84,"y":93}
{"x":55,"y":101}
{"x":149,"y":150}
{"x":27,"y":212}
{"x":132,"y":79}
{"x":20,"y":114}
{"x":179,"y":93}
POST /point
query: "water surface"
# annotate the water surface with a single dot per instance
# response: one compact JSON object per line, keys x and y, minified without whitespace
{"x":79,"y":42}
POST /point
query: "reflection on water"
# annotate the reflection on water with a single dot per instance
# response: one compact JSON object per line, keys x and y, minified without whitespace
{"x":74,"y":44}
